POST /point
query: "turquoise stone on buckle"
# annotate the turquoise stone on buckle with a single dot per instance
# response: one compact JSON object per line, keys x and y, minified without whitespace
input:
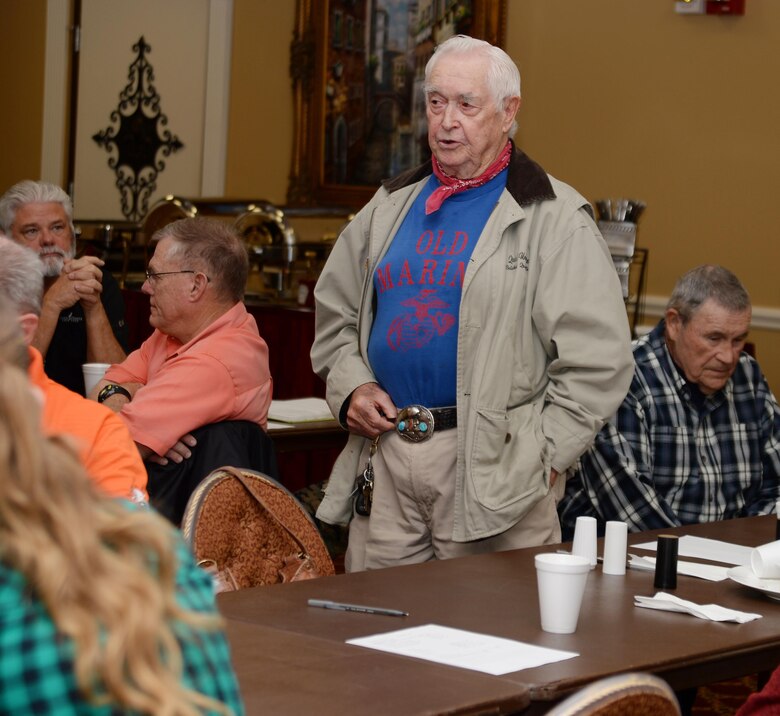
{"x":414,"y":423}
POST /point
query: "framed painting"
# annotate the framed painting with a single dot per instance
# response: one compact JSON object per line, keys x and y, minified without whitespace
{"x":357,"y":71}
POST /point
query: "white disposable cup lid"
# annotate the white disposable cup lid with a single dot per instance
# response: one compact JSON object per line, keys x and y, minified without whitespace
{"x":567,"y":563}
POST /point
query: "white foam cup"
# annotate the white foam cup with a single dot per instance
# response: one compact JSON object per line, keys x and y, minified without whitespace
{"x":584,"y":543}
{"x":765,"y":560}
{"x":615,"y":547}
{"x":561,"y":579}
{"x":93,"y":372}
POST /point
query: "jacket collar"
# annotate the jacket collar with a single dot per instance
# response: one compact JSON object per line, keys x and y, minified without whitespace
{"x":527,"y":182}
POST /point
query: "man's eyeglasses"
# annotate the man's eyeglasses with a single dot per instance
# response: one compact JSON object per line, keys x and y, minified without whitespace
{"x":152,"y":276}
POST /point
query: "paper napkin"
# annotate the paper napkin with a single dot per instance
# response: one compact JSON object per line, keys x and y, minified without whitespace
{"x":713,"y":612}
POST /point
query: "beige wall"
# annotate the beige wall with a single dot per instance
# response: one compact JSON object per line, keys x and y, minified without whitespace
{"x":621,"y":98}
{"x":260,"y":130}
{"x":110,"y":30}
{"x":21,"y":77}
{"x":630,"y":99}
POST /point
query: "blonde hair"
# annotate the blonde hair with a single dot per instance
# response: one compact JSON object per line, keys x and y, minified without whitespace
{"x":106,"y":573}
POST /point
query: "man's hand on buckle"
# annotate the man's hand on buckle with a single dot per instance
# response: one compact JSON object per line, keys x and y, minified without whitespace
{"x":371,"y":411}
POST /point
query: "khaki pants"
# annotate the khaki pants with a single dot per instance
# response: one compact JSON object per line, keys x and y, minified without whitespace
{"x":412,"y":515}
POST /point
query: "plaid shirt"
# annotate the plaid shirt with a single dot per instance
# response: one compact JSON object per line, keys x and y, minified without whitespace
{"x":671,"y":456}
{"x":36,"y":661}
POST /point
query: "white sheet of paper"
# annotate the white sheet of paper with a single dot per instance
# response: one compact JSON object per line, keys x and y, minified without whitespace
{"x":704,"y":548}
{"x":692,"y":569}
{"x":299,"y":410}
{"x":276,"y":425}
{"x":465,"y":649}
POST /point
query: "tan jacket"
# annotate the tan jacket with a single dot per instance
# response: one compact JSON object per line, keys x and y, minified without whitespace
{"x":544,"y":354}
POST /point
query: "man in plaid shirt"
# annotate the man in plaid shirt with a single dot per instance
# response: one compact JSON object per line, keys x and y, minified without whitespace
{"x":697,"y":438}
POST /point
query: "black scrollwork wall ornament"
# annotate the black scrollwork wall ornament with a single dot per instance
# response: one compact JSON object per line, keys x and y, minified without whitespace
{"x":138,"y":138}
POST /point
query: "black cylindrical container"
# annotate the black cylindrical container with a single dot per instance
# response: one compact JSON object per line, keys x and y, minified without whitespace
{"x":666,"y":563}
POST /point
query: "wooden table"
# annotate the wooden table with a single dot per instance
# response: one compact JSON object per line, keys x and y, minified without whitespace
{"x":496,"y":594}
{"x":281,"y":672}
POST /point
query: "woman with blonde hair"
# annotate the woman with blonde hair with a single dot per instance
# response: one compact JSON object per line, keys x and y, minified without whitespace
{"x":102,"y":609}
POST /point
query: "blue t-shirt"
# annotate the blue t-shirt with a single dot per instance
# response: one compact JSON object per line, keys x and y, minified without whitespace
{"x":413,"y":347}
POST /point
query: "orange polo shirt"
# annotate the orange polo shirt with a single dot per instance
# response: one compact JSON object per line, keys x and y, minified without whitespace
{"x":221,"y":374}
{"x":102,"y":440}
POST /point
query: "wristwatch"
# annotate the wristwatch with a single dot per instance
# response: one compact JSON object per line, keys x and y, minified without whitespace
{"x":112,"y":389}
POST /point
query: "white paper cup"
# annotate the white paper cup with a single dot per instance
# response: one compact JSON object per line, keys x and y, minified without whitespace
{"x":93,"y":372}
{"x":615,"y":548}
{"x":561,"y":579}
{"x":765,"y":560}
{"x":777,"y":524}
{"x":584,"y":543}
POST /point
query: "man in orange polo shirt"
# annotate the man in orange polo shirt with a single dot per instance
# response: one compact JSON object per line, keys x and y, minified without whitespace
{"x":201,"y":381}
{"x":104,"y":445}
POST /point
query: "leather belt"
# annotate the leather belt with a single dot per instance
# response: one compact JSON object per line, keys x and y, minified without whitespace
{"x":418,"y":423}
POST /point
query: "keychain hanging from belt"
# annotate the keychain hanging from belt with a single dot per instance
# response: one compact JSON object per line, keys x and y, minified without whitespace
{"x":364,"y":483}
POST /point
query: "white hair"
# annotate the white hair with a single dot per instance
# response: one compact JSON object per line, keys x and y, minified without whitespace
{"x":32,"y":192}
{"x":21,"y":277}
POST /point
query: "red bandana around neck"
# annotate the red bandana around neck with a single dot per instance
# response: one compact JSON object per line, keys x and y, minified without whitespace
{"x":453,"y":185}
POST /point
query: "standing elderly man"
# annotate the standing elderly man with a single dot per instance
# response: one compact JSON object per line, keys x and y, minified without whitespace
{"x":83,"y":316}
{"x":205,"y":363}
{"x":697,"y":438}
{"x":471,"y":316}
{"x":101,"y":439}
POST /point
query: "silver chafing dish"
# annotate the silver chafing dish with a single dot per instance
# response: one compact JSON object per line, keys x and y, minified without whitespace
{"x":287,"y":246}
{"x":116,"y":242}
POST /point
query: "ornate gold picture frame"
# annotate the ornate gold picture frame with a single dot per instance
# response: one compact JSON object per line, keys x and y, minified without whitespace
{"x":356,"y":68}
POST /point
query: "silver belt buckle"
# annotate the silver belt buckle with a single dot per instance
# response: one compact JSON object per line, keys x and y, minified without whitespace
{"x":415,"y":423}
